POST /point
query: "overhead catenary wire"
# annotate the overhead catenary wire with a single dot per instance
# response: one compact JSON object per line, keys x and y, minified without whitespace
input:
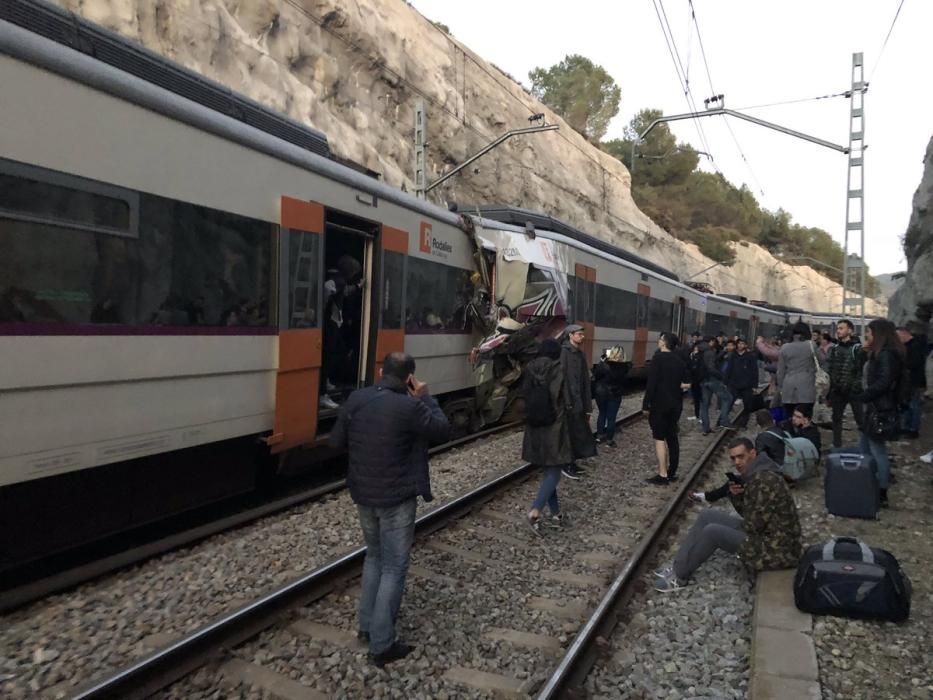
{"x":794,"y":101}
{"x":887,"y":36}
{"x":682,"y":75}
{"x":709,"y":76}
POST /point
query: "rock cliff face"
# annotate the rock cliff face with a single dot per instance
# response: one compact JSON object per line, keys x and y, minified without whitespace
{"x":914,"y":300}
{"x":355,"y":69}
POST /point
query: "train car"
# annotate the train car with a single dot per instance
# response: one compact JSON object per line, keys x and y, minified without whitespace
{"x":171,"y":254}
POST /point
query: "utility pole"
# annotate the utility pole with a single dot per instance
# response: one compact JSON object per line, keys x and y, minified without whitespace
{"x":420,"y":130}
{"x":854,"y":273}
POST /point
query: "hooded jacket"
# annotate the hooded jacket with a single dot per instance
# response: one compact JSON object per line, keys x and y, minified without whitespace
{"x":770,"y":516}
{"x":547,"y":445}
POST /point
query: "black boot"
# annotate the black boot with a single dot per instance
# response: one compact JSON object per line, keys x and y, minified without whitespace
{"x":884,"y":498}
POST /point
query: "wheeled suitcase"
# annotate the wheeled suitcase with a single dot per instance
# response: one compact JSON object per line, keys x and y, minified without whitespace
{"x":850,"y":484}
{"x":846,"y":577}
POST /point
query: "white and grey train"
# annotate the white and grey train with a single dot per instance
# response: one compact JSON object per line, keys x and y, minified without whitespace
{"x":163,"y":249}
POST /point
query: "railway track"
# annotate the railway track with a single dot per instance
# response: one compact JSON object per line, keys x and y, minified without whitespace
{"x":567,"y":603}
{"x":90,"y":567}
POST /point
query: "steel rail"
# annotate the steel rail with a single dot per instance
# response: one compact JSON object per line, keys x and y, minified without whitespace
{"x":582,"y":653}
{"x":171,"y":663}
{"x":18,"y":596}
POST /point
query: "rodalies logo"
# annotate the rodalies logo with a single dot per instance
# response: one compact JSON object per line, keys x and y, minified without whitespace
{"x":428,"y":244}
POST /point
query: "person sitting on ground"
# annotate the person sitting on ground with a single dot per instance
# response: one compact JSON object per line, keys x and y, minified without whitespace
{"x":800,"y":424}
{"x":765,"y":534}
{"x":769,"y":440}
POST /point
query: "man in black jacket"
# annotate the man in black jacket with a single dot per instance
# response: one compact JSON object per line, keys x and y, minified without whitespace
{"x":386,"y":429}
{"x":742,"y":380}
{"x":579,"y":393}
{"x":844,"y":364}
{"x":713,"y":385}
{"x":917,"y":351}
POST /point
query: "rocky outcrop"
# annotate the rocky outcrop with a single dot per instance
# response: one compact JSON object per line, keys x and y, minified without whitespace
{"x":355,"y":69}
{"x":914,"y":300}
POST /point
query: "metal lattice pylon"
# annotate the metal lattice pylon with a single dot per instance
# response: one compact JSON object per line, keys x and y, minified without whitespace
{"x":854,"y":266}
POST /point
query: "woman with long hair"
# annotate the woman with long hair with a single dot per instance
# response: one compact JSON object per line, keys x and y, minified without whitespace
{"x":880,"y":379}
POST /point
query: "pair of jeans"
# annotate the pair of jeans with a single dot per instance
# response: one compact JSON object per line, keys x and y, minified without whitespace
{"x":696,"y":391}
{"x":879,"y":451}
{"x":910,"y":420}
{"x":389,"y":534}
{"x":838,"y":404}
{"x":712,"y":530}
{"x":606,"y":420}
{"x":714,"y":387}
{"x":547,"y":493}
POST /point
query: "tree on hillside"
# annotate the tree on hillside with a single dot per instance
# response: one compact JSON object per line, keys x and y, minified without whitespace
{"x":660,"y":160}
{"x":580,"y":91}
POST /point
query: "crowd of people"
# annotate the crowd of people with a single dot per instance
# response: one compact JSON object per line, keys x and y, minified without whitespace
{"x":387,"y":429}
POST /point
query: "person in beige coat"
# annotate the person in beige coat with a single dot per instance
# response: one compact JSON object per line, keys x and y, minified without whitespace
{"x":796,"y":371}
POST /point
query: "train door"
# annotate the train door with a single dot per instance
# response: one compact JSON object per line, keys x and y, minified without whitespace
{"x":680,"y":316}
{"x":733,"y":323}
{"x":390,"y":334}
{"x":347,"y":291}
{"x":300,"y":342}
{"x":640,"y":350}
{"x":585,"y":302}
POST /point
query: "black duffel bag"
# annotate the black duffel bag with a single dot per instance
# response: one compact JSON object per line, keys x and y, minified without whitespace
{"x":848,"y":578}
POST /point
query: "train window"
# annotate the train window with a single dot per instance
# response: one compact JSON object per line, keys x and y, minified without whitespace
{"x":615,"y":308}
{"x":436,"y":298}
{"x":743,"y":327}
{"x":37,"y":195}
{"x":190,"y":266}
{"x":304,"y":285}
{"x":660,"y":315}
{"x":692,"y":321}
{"x":393,"y":282}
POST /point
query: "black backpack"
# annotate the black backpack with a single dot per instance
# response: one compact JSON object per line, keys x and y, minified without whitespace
{"x":846,"y":577}
{"x":539,"y":409}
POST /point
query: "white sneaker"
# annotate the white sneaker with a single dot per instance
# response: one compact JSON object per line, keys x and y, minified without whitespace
{"x":328,"y":403}
{"x":665,"y":572}
{"x":691,"y":417}
{"x":669,"y":585}
{"x":927,"y":458}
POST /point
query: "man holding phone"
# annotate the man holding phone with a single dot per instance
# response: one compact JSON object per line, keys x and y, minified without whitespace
{"x":765,"y":534}
{"x":386,"y":430}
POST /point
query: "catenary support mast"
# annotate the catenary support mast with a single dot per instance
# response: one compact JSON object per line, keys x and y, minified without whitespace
{"x":854,"y":266}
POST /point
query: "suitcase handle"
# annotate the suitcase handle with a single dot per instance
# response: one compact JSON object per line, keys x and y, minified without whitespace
{"x":829,"y":549}
{"x":850,"y":464}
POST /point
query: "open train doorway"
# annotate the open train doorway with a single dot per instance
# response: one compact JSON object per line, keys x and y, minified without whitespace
{"x":348,"y":243}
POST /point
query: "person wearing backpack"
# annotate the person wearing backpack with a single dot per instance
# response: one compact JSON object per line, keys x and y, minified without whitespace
{"x":885,"y":388}
{"x":608,"y":379}
{"x":844,"y":365}
{"x":546,"y":442}
{"x":769,"y":441}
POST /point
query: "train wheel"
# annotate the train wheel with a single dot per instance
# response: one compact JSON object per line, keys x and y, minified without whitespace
{"x":461,"y":416}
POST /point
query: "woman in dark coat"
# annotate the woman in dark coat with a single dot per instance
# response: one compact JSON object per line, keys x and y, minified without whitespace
{"x":880,"y":379}
{"x":547,"y":446}
{"x":668,"y":378}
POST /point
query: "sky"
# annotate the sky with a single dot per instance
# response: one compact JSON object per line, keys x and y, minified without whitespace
{"x":758,"y":52}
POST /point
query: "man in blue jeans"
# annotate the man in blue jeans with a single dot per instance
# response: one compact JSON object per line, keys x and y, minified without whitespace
{"x":713,"y":385}
{"x":386,"y":430}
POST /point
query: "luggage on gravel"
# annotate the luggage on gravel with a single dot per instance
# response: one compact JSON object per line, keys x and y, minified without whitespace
{"x":851,"y":484}
{"x":801,"y":458}
{"x":847,"y":578}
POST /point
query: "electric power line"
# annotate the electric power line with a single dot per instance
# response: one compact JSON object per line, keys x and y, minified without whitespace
{"x":790,"y":102}
{"x":735,"y":140}
{"x":887,"y":36}
{"x":681,"y":75}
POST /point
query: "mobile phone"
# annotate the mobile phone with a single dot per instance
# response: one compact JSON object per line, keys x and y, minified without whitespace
{"x":734,"y":478}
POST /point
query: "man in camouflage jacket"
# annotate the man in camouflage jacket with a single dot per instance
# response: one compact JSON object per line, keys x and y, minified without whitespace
{"x":766,"y":536}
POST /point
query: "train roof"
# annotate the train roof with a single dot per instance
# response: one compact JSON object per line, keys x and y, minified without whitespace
{"x":517,"y":216}
{"x":71,"y":30}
